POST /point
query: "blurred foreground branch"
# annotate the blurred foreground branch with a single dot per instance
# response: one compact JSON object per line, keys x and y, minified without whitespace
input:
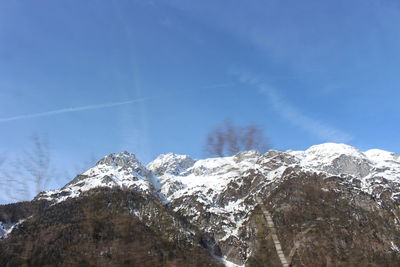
{"x":28,"y":174}
{"x":228,"y":139}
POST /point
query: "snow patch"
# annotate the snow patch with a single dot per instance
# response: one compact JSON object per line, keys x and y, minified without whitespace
{"x":394,"y":247}
{"x":7,"y":229}
{"x":209,"y":186}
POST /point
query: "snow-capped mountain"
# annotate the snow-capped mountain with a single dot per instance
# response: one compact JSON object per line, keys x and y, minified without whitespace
{"x":222,"y":196}
{"x":177,"y":175}
{"x":123,"y":170}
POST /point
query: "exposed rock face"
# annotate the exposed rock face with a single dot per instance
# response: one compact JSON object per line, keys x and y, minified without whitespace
{"x":170,"y":164}
{"x":122,"y":170}
{"x":331,"y":205}
{"x":338,"y":159}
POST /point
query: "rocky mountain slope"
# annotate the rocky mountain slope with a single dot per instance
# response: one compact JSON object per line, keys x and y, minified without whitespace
{"x":331,"y":205}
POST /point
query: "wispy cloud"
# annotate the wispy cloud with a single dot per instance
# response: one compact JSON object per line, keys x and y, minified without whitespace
{"x":68,"y":110}
{"x":292,"y":114}
{"x":218,"y":85}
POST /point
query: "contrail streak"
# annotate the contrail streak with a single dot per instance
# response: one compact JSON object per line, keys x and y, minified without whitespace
{"x":294,"y":115}
{"x":67,"y":110}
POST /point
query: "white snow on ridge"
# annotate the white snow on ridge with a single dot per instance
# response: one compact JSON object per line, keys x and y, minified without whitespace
{"x":384,"y":161}
{"x":207,"y":186}
{"x":379,"y":156}
{"x":375,"y":169}
{"x":170,"y":163}
{"x":332,"y":158}
{"x":327,"y":152}
{"x":179,"y":175}
{"x":205,"y":175}
{"x":326,"y":157}
{"x":205,"y":181}
{"x":122,"y":170}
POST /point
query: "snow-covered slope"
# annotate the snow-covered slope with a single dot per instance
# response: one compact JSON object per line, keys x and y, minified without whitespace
{"x":218,"y":187}
{"x":183,"y":175}
{"x":123,"y":170}
{"x":180,"y":175}
{"x":218,"y":194}
{"x":6,"y":229}
{"x":176,"y":176}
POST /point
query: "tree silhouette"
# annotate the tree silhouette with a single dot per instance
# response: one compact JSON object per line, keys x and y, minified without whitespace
{"x":29,"y":173}
{"x":228,"y":139}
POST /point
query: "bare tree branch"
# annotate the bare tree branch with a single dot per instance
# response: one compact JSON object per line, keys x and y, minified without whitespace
{"x":15,"y":187}
{"x":228,"y":139}
{"x":37,"y":163}
{"x":28,"y":174}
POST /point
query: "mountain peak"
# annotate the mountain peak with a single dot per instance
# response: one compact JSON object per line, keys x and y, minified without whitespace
{"x":333,"y":150}
{"x":250,"y":155}
{"x":121,"y":170}
{"x":180,"y":174}
{"x":336,"y":159}
{"x":220,"y":195}
{"x":170,"y":163}
{"x":121,"y":159}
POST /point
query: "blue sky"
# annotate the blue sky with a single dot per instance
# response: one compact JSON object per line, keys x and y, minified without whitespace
{"x":306,"y":71}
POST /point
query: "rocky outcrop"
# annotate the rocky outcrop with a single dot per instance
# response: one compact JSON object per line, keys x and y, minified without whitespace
{"x":331,"y":205}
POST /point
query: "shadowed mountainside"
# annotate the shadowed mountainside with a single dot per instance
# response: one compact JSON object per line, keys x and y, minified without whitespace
{"x":331,"y":205}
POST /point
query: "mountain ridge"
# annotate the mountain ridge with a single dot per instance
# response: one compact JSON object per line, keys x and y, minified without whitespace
{"x":226,"y":197}
{"x":329,"y":158}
